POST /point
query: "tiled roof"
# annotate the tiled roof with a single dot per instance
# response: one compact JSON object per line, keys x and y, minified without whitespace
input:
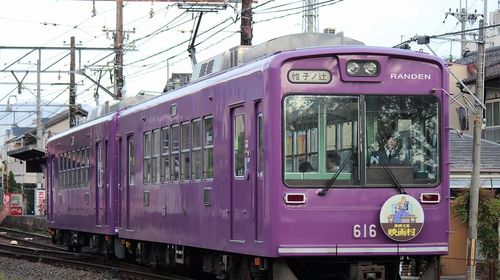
{"x":461,"y":153}
{"x":18,"y":131}
{"x":492,"y":62}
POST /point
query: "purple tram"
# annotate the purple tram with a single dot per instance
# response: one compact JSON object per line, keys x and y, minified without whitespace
{"x":316,"y":163}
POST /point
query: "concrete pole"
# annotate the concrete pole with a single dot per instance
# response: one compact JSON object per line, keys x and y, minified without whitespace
{"x":72,"y":85}
{"x":246,"y":23}
{"x":118,"y":70}
{"x":39,"y":129}
{"x":463,"y":17}
{"x":476,"y":161}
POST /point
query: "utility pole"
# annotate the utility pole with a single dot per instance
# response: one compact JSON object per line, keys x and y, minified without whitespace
{"x":72,"y":85}
{"x":310,"y":18}
{"x":118,"y":70}
{"x":39,"y":129}
{"x":476,"y":160}
{"x":246,"y":23}
{"x":462,"y":16}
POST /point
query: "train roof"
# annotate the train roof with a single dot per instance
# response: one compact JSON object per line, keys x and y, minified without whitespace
{"x":106,"y":118}
{"x":244,"y":54}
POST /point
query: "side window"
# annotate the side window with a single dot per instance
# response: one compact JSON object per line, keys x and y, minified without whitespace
{"x":86,"y":166}
{"x":78,"y":169}
{"x":61,"y":168}
{"x":155,"y":150}
{"x":65,"y":169}
{"x":185,"y":151}
{"x":131,"y":160}
{"x":260,"y":147}
{"x":239,"y":145}
{"x":146,"y":172}
{"x":208,"y":148}
{"x":165,"y":154}
{"x":175,"y":153}
{"x":73,"y":169}
{"x":100,"y":167}
{"x":196,"y":149}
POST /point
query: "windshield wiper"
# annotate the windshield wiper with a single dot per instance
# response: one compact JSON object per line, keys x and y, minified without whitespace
{"x":389,"y":173}
{"x":330,"y":182}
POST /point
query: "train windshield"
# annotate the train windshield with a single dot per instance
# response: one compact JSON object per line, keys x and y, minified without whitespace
{"x":321,"y":134}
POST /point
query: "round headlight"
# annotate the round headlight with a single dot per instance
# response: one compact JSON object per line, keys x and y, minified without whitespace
{"x":352,"y":68}
{"x":370,"y":68}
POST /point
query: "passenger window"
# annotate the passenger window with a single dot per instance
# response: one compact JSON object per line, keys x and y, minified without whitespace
{"x":260,"y":147}
{"x":196,"y":149}
{"x":156,"y":156}
{"x":239,"y":145}
{"x":100,"y":167}
{"x":165,"y":154}
{"x":147,"y":158}
{"x":175,"y":153}
{"x":131,"y":160}
{"x":208,"y":157}
{"x":185,"y":151}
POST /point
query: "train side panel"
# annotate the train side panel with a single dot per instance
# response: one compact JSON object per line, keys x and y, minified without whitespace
{"x":224,"y":213}
{"x":82,"y":191}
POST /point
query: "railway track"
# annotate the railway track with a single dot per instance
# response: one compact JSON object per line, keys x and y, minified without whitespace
{"x":27,"y":238}
{"x":36,"y":248}
{"x":80,"y":262}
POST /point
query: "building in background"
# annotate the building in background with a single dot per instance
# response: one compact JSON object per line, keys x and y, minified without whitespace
{"x":21,"y":155}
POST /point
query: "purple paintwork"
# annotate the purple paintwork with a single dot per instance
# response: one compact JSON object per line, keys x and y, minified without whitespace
{"x":248,"y":215}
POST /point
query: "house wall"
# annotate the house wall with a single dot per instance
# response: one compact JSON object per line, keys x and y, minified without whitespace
{"x":454,"y":263}
{"x":460,"y":71}
{"x":53,"y":129}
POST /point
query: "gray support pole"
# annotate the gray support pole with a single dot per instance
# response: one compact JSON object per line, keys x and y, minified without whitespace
{"x":39,"y":129}
{"x":118,"y":70}
{"x":476,"y":161}
{"x":72,"y":86}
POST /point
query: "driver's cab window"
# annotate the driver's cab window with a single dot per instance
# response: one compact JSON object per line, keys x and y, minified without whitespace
{"x":401,"y":136}
{"x":320,"y":139}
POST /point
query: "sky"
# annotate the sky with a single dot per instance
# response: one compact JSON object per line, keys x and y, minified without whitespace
{"x":158,"y":34}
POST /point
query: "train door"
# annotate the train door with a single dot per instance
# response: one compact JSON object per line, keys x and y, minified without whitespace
{"x":119,"y":182}
{"x":258,"y":176}
{"x":241,"y":188}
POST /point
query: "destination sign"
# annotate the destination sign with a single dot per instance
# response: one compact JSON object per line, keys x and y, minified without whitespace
{"x":309,"y":76}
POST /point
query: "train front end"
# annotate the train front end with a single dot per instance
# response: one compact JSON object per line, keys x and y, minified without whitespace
{"x":359,"y":150}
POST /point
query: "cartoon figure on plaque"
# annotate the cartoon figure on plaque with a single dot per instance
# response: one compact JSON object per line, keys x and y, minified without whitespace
{"x":402,"y":212}
{"x":401,"y":217}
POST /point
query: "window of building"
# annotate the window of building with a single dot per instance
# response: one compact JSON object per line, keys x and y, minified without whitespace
{"x":493,"y":112}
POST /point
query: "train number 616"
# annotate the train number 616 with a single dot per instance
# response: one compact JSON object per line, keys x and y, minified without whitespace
{"x":364,"y":231}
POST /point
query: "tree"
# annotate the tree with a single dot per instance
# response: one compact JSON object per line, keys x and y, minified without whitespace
{"x":13,"y":186}
{"x":489,"y":213}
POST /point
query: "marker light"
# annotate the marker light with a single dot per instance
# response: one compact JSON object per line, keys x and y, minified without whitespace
{"x":363,"y":68}
{"x":430,"y":198}
{"x":295,"y":198}
{"x":352,"y":68}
